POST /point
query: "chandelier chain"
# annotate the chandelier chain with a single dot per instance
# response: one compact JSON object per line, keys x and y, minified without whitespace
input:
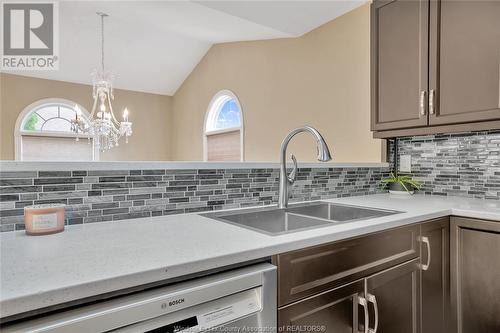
{"x":102,"y":15}
{"x":102,"y":42}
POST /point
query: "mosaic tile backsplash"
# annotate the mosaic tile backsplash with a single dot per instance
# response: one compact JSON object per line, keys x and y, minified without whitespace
{"x":466,"y":164}
{"x":94,"y":196}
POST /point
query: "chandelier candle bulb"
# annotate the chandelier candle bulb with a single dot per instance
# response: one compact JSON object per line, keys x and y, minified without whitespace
{"x":44,"y":219}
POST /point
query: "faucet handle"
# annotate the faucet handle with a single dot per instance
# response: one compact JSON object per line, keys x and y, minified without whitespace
{"x":293,"y":175}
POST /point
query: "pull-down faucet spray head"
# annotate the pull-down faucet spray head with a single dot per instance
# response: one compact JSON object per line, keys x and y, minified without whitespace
{"x":323,"y":151}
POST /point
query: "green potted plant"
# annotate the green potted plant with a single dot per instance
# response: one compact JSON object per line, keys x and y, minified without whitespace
{"x":401,"y":184}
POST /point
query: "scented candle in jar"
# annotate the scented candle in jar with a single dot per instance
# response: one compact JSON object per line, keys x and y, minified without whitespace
{"x":44,"y":219}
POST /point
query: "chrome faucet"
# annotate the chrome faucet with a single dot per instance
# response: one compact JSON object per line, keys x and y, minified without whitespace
{"x":287,"y":180}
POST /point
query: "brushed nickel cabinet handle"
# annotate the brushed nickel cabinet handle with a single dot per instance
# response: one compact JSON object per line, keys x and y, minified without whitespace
{"x":372,"y":299}
{"x":432,"y":109}
{"x":364,"y":304}
{"x":425,"y":240}
{"x":422,"y":102}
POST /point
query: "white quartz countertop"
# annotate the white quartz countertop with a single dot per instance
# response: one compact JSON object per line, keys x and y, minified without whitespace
{"x":92,"y":259}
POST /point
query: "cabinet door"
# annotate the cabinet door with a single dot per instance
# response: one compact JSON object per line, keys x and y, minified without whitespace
{"x":465,"y":61}
{"x":399,"y":65}
{"x":395,"y":298}
{"x":475,"y":276}
{"x":435,"y":275}
{"x":334,"y":311}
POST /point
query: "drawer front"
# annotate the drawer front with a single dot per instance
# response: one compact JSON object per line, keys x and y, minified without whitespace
{"x":305,"y":272}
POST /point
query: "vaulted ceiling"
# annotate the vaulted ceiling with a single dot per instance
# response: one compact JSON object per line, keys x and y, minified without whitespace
{"x":152,"y":46}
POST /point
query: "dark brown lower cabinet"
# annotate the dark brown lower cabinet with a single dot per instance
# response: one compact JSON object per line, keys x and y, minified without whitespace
{"x":397,"y":280}
{"x":335,"y":310}
{"x":435,"y":253}
{"x":312,"y":270}
{"x":475,"y":275}
{"x":394,"y":299}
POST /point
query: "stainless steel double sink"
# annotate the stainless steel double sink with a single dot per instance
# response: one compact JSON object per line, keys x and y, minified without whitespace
{"x":275,"y":221}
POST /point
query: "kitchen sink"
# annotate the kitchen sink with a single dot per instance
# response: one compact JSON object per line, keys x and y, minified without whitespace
{"x":339,"y":213}
{"x":275,"y":221}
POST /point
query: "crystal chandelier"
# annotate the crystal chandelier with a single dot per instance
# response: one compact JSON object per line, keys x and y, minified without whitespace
{"x":102,"y":124}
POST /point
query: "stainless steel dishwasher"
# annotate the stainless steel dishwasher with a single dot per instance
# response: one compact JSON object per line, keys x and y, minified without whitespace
{"x":240,"y":300}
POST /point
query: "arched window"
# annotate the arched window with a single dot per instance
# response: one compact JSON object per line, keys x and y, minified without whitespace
{"x":43,"y":133}
{"x":223,"y":133}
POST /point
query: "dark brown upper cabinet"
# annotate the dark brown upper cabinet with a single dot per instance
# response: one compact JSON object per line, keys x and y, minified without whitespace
{"x":399,"y":63}
{"x":464,"y":61}
{"x":435,"y":66}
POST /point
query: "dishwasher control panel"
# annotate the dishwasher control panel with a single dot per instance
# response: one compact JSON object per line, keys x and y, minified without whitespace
{"x":206,"y":316}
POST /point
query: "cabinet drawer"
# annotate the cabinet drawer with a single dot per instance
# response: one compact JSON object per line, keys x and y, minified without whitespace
{"x":305,"y":272}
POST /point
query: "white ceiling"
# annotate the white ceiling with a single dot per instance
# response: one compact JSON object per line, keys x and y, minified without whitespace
{"x":152,"y":46}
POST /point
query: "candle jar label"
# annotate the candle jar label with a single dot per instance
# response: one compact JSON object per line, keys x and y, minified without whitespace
{"x":46,"y":221}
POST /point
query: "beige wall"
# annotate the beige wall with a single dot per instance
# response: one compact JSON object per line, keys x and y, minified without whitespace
{"x":150,"y":114}
{"x":320,"y":79}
